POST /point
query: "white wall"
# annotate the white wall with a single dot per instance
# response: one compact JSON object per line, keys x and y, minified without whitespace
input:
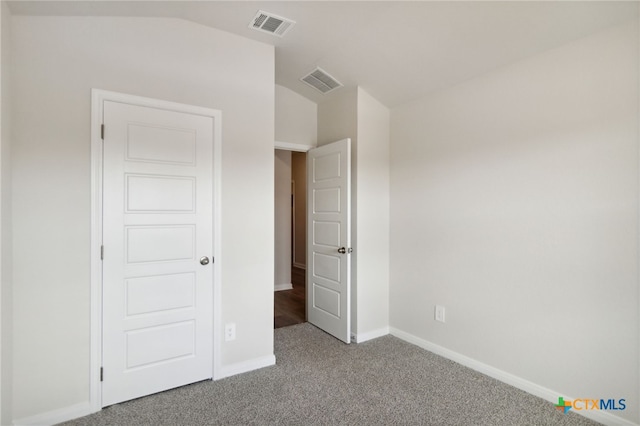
{"x":514,"y":204}
{"x":6,"y":324}
{"x":338,"y":119}
{"x":57,"y":60}
{"x":296,"y":124}
{"x":282,"y":240}
{"x":296,"y":118}
{"x":357,"y":115}
{"x":372,"y":216}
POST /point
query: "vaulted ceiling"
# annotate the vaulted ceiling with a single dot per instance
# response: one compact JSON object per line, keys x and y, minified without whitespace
{"x":396,"y":50}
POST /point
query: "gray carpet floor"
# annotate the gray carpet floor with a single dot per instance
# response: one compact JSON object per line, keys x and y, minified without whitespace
{"x":321,"y":381}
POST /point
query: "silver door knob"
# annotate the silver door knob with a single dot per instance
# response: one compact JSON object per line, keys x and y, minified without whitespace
{"x":204,"y":260}
{"x":342,"y":250}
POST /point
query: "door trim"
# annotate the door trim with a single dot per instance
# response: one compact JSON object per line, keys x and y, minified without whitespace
{"x":288,"y":146}
{"x":98,"y":97}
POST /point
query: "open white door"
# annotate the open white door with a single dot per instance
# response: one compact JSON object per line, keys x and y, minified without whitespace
{"x":158,"y":245}
{"x":329,"y":238}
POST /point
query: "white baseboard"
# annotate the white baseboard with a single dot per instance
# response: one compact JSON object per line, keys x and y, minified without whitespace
{"x":246,"y":366}
{"x":369,"y":335}
{"x":280,"y":287}
{"x":57,"y":416}
{"x":510,"y":379}
{"x":84,"y":409}
{"x":299,"y":265}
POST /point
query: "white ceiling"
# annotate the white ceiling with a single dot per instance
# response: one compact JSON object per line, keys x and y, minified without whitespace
{"x":396,"y":50}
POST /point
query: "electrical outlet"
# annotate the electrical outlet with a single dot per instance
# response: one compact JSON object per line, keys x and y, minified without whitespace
{"x":439,"y":313}
{"x":229,"y":332}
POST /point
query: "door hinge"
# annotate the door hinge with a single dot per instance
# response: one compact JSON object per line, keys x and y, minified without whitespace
{"x":101,"y":252}
{"x":101,"y":374}
{"x":102,"y":131}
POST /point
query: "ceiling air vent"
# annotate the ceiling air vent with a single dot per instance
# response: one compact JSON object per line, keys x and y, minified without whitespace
{"x":270,"y":23}
{"x":321,"y":81}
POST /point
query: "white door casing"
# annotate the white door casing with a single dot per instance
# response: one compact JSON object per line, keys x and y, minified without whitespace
{"x":157,"y":297}
{"x":329,"y":238}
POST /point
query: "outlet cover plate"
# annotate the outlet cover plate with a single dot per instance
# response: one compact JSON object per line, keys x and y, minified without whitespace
{"x":229,"y":332}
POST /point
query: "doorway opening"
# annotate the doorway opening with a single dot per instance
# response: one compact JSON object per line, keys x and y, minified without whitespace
{"x":290,"y":238}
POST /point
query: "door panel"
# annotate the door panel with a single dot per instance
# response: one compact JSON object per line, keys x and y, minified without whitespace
{"x":148,"y":194}
{"x":174,"y":291}
{"x":152,"y":345}
{"x":329,"y":229}
{"x":157,"y":222}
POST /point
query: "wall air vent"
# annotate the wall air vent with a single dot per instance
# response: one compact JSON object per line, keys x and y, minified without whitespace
{"x":321,"y":81}
{"x":270,"y":23}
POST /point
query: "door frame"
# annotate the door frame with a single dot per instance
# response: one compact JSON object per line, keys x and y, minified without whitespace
{"x":98,"y":97}
{"x":292,"y":147}
{"x":296,"y":147}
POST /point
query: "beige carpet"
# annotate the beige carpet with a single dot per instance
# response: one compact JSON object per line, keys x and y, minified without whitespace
{"x":321,"y":381}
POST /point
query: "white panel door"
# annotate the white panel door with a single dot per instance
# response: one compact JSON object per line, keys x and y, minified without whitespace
{"x":157,"y":225}
{"x":329,"y":238}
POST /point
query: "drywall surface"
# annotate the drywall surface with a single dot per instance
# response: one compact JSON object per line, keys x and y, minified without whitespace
{"x":296,"y":118}
{"x":6,"y":281}
{"x":514,"y":204}
{"x":337,"y":120}
{"x":57,"y":61}
{"x":357,"y":115}
{"x":373,"y":215}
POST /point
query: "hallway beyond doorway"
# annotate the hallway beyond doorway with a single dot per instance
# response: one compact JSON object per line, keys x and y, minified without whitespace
{"x":290,"y":305}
